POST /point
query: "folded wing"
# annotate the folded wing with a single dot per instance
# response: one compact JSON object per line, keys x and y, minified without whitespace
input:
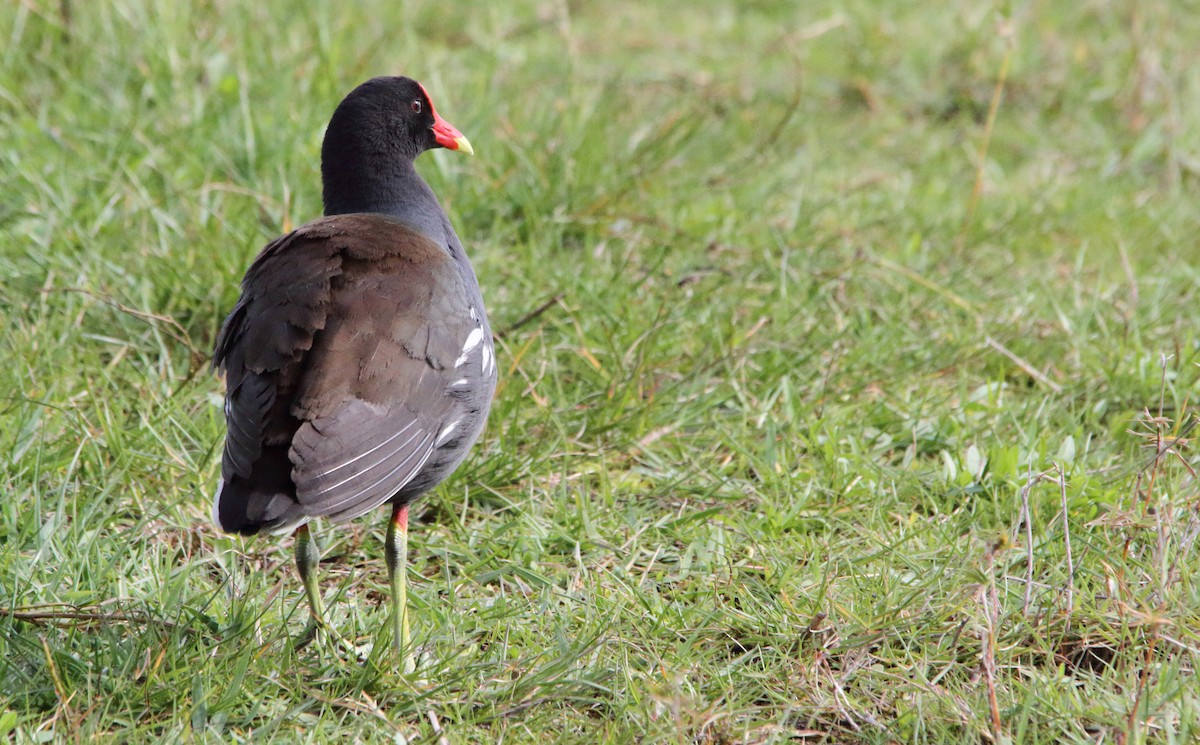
{"x":337,"y":359}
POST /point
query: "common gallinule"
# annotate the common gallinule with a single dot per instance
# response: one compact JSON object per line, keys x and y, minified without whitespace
{"x":358,"y":362}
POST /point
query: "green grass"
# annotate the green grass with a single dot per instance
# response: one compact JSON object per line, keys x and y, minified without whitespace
{"x":756,"y":476}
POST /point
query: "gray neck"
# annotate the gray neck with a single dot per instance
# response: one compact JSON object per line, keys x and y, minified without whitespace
{"x":399,"y":192}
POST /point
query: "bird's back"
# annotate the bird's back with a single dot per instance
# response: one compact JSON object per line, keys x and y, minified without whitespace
{"x":359,"y":369}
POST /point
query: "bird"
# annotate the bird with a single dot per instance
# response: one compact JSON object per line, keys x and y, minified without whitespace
{"x":359,"y":364}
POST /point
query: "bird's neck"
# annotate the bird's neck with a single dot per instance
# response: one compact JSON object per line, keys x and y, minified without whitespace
{"x":398,"y":191}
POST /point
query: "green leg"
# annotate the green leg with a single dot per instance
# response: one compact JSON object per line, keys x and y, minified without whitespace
{"x":396,"y":552}
{"x":308,"y":556}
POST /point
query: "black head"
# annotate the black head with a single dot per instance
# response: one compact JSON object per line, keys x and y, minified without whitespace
{"x":375,"y":134}
{"x":389,"y":117}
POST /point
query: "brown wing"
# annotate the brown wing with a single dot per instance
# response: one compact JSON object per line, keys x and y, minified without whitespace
{"x":337,"y":359}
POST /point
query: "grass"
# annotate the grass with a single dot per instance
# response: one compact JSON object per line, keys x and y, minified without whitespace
{"x":816,"y":442}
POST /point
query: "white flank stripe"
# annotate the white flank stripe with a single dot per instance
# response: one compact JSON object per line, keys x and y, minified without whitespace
{"x":216,"y":510}
{"x":473,"y":340}
{"x":487,"y":361}
{"x":446,"y":432}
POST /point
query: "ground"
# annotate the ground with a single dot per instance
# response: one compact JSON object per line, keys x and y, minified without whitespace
{"x":848,"y":361}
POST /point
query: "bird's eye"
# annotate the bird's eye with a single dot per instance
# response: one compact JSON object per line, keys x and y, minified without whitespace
{"x":416,"y":106}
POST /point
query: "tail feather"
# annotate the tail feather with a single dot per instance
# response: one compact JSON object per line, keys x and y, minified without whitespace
{"x":265,"y":500}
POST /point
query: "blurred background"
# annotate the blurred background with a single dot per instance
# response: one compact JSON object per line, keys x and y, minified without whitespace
{"x":831,"y":334}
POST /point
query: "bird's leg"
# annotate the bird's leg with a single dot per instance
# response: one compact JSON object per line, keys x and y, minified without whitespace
{"x":308,"y":556}
{"x":396,"y":552}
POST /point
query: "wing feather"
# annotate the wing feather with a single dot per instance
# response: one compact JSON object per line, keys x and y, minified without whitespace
{"x":335,"y":360}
